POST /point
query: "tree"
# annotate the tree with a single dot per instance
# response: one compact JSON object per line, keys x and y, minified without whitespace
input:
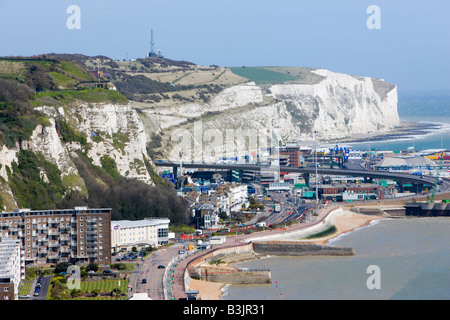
{"x":95,"y":292}
{"x":61,"y":267}
{"x":92,"y":266}
{"x":75,"y":293}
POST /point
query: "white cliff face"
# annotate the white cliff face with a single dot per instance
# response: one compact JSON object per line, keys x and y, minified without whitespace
{"x":122,"y":134}
{"x":45,"y":139}
{"x":237,"y":96}
{"x":111,"y":130}
{"x":340,"y":105}
{"x":7,"y":157}
{"x":337,"y":106}
{"x":230,"y":98}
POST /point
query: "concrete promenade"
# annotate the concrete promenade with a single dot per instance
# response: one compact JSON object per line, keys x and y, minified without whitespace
{"x":178,"y":281}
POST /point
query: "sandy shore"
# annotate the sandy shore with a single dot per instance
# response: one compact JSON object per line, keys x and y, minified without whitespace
{"x":349,"y":222}
{"x":346,"y":222}
{"x":208,"y":290}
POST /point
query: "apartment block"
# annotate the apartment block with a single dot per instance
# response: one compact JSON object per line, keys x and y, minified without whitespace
{"x":49,"y":237}
{"x":12,"y":269}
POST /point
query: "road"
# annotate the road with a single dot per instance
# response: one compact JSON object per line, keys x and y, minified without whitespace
{"x":153,"y":275}
{"x":43,"y":291}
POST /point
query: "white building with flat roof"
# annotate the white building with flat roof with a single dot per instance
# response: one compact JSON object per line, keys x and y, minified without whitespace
{"x":12,"y":268}
{"x":140,"y":233}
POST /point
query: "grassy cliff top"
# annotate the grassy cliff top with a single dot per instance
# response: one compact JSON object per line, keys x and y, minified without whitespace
{"x":272,"y":75}
{"x":27,"y":82}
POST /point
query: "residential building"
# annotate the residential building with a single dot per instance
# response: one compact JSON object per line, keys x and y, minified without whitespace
{"x":342,"y":192}
{"x":139,"y":233}
{"x":12,"y":270}
{"x":49,"y":237}
{"x":206,"y":216}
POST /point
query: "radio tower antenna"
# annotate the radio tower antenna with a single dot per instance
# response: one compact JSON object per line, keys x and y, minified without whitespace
{"x":152,"y":45}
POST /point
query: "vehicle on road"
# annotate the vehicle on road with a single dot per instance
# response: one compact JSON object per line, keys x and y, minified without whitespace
{"x":161,"y":266}
{"x":144,"y":281}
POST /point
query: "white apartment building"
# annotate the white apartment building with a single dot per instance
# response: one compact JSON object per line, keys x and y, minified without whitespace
{"x":148,"y":232}
{"x":238,"y":196}
{"x":12,"y":268}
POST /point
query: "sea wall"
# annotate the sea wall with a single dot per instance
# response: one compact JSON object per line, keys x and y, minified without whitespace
{"x":327,"y":222}
{"x":298,"y":248}
{"x":230,"y":275}
{"x":201,"y":269}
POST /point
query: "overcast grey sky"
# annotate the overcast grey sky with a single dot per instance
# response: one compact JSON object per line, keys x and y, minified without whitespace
{"x":412,"y":48}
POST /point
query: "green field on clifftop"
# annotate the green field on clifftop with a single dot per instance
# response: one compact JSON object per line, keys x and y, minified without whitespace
{"x":261,"y":75}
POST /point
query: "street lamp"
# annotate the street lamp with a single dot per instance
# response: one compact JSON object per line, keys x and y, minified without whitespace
{"x":315,"y":154}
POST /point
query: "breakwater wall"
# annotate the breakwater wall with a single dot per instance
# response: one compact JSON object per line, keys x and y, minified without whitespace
{"x":386,"y":211}
{"x":231,"y":275}
{"x":209,"y":266}
{"x":298,"y":248}
{"x":205,"y":268}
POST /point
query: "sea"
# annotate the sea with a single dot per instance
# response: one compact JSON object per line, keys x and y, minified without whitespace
{"x":422,"y":108}
{"x":396,"y":258}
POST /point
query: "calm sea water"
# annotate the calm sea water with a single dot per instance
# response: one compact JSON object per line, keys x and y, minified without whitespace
{"x":413,"y":254}
{"x":419,"y":108}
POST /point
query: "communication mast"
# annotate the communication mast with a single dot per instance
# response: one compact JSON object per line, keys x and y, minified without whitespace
{"x":152,"y":48}
{"x":152,"y":45}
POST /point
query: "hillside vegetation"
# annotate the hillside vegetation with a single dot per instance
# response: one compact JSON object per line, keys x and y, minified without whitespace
{"x":35,"y":182}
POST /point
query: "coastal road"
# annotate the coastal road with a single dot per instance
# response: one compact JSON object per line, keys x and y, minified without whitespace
{"x":178,"y":287}
{"x":153,"y":274}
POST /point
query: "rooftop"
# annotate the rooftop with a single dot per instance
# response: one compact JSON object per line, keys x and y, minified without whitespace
{"x":139,"y":223}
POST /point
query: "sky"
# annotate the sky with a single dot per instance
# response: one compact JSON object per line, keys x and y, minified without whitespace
{"x":411,"y":47}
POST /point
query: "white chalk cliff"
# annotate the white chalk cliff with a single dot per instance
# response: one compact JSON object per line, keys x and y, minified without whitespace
{"x":120,"y":133}
{"x":336,"y":106}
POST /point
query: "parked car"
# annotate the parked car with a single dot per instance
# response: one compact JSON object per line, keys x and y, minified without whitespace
{"x":107,"y":272}
{"x":144,"y":280}
{"x":161,"y":266}
{"x":25,"y":296}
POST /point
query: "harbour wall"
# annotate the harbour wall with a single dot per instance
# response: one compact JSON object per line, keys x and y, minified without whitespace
{"x":201,"y":268}
{"x":299,"y":248}
{"x":209,"y":267}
